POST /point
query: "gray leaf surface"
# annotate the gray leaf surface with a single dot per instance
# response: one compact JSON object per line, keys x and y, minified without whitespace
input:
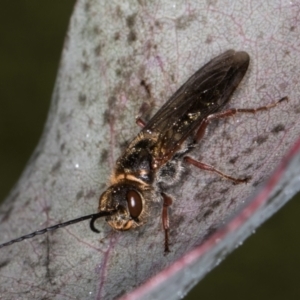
{"x":118,"y":58}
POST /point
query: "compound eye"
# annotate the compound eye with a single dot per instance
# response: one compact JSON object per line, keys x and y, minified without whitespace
{"x":135,"y":204}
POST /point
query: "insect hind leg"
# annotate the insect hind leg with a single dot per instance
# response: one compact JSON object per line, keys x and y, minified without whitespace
{"x":229,"y":113}
{"x":210,"y":168}
{"x":224,"y":114}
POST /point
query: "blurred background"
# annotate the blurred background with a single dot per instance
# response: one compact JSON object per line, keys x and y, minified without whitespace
{"x":32,"y":33}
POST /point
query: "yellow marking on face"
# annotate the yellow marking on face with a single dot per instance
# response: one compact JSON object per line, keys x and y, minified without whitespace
{"x":122,"y":226}
{"x":124,"y":176}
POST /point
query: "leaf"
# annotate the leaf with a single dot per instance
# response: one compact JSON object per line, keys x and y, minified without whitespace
{"x":116,"y":60}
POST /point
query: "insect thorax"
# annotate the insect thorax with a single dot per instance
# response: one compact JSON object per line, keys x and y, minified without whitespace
{"x":136,"y":162}
{"x":172,"y":171}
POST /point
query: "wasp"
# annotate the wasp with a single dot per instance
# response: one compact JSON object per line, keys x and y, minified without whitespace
{"x":156,"y":158}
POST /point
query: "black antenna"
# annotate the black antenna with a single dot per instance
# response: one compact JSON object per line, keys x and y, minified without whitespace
{"x":93,"y":218}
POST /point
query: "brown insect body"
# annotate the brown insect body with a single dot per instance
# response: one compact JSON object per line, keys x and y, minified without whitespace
{"x":156,"y":157}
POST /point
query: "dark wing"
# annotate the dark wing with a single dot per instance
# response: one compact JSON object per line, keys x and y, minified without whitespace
{"x":204,"y":93}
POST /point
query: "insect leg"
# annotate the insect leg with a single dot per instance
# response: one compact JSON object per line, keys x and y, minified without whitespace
{"x":224,"y":114}
{"x":206,"y":167}
{"x":165,"y":219}
{"x":231,"y":112}
{"x":140,"y":122}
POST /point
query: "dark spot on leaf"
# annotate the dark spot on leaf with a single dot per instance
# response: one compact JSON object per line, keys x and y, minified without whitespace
{"x":79,"y":195}
{"x":97,"y":30}
{"x":104,"y":156}
{"x":98,"y":50}
{"x":58,"y":136}
{"x":262,"y":87}
{"x":87,"y":6}
{"x":249,"y":166}
{"x":209,"y":39}
{"x":82,"y":99}
{"x":130,"y":20}
{"x":91,"y":122}
{"x":198,"y":196}
{"x":185,"y":21}
{"x":90,"y":194}
{"x":27,"y":203}
{"x":56,"y":167}
{"x":119,"y":12}
{"x":62,"y":147}
{"x":118,"y":72}
{"x":131,"y":36}
{"x":283,"y":86}
{"x":233,"y":160}
{"x":117,"y":36}
{"x":215,"y":204}
{"x":172,"y":77}
{"x":248,"y":151}
{"x":157,"y":24}
{"x":224,"y":191}
{"x":85,"y":67}
{"x":46,"y":209}
{"x":112,"y":101}
{"x":6,"y":214}
{"x":278,"y":128}
{"x":260,"y":139}
{"x":108,"y":117}
{"x":222,"y":153}
{"x":292,"y":28}
{"x":207,"y":213}
{"x":4,"y":264}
